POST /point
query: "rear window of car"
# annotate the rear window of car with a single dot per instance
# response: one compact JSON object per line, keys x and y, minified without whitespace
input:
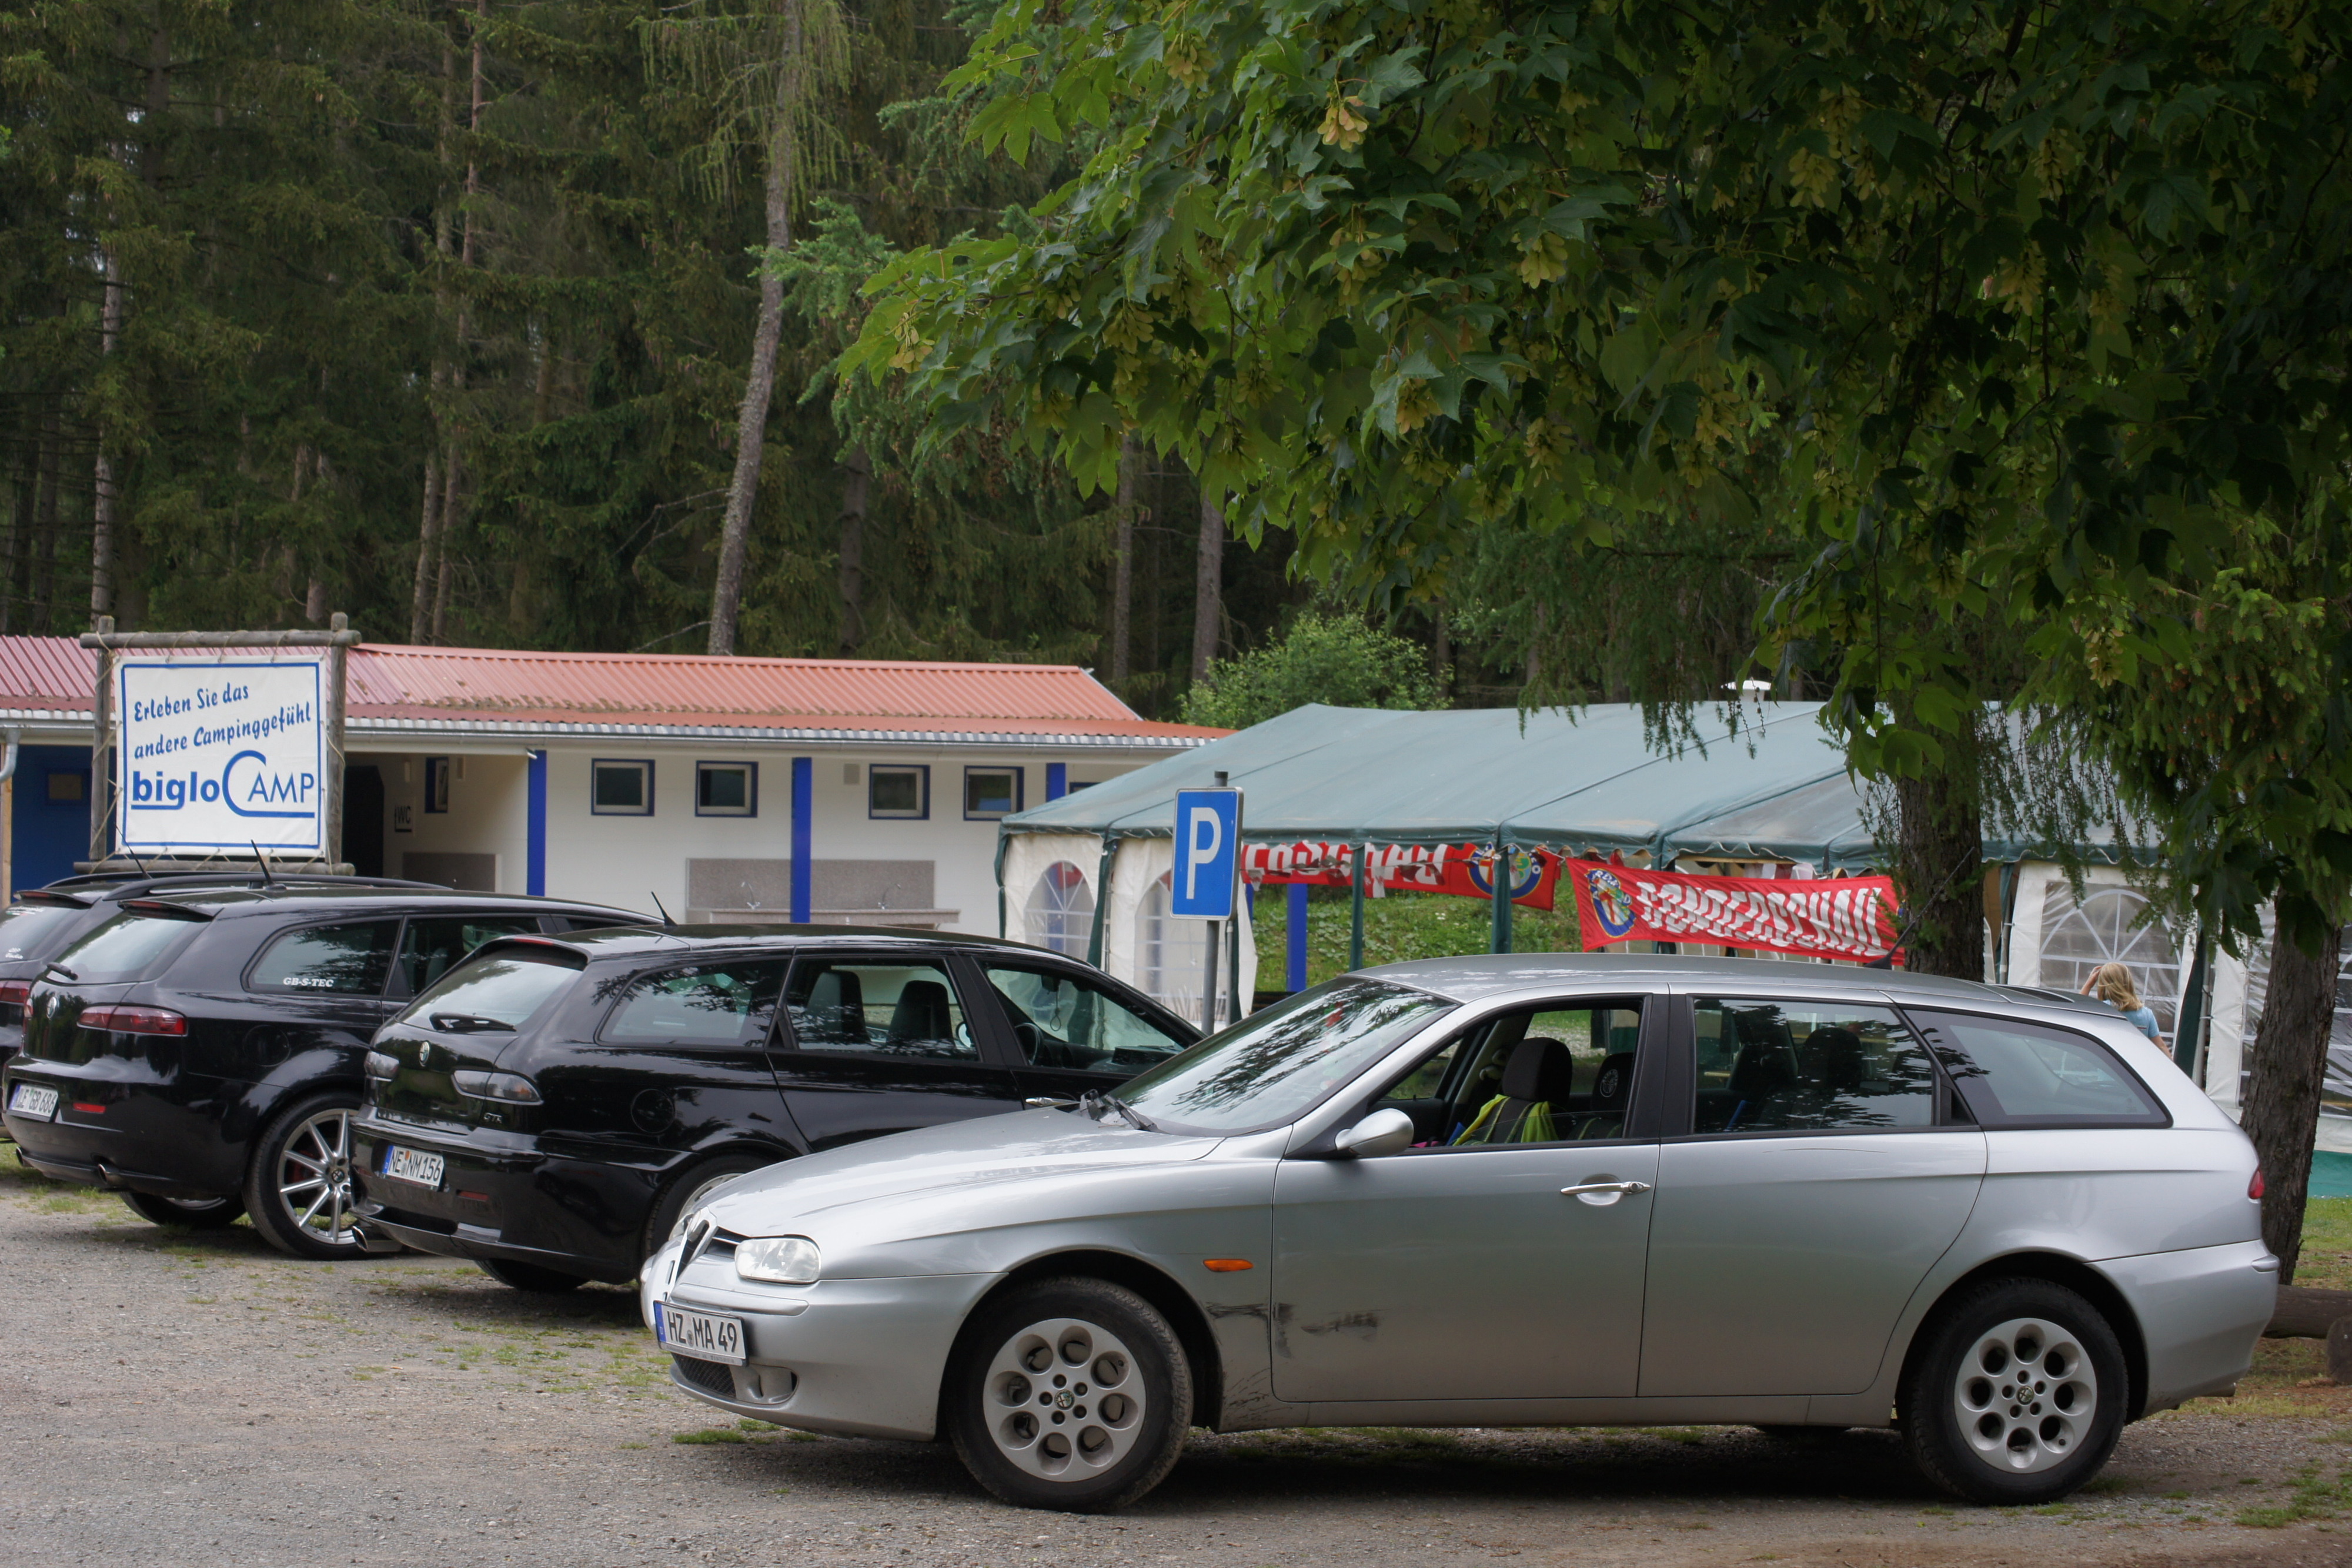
{"x":497,"y":989}
{"x":2011,"y":1073}
{"x":130,"y":947}
{"x":27,"y":930}
{"x":351,"y":960}
{"x":716,"y":1004}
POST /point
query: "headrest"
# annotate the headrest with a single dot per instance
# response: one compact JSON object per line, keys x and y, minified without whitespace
{"x":1541,"y":1069}
{"x":922,"y":1012}
{"x":1831,"y":1058}
{"x":1613,"y":1082}
{"x":1760,"y":1069}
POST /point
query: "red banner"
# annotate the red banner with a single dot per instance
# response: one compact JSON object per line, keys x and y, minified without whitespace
{"x":1833,"y":917}
{"x":1466,"y":870}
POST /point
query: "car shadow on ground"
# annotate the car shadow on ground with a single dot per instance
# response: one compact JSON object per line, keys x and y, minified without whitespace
{"x":1732,"y":1465}
{"x":464,"y":1294}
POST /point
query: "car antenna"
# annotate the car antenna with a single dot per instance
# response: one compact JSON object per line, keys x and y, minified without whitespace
{"x":266,"y":881}
{"x":667,"y":924}
{"x":139,"y":864}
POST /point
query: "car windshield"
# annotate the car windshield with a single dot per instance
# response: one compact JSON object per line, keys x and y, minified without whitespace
{"x":502,"y":989}
{"x":130,"y":947}
{"x":27,"y":930}
{"x":1274,"y":1066}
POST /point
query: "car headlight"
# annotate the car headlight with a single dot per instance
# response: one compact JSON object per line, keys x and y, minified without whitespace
{"x":779,"y":1260}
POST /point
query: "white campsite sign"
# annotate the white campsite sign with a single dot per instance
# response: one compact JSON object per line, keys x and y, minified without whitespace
{"x":221,"y":754}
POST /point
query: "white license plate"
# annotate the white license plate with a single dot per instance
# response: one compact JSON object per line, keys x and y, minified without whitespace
{"x":413,"y":1164}
{"x":34,"y":1100}
{"x":703,"y":1335}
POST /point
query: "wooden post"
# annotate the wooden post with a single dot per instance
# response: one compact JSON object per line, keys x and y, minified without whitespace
{"x":338,"y":660}
{"x":101,"y":742}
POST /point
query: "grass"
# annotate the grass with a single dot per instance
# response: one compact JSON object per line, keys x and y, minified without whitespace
{"x":2326,"y":1260}
{"x":2313,"y":1498}
{"x":710,"y":1435}
{"x":1401,"y":926}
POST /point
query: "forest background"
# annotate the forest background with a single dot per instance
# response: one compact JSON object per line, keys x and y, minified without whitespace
{"x":439,"y":312}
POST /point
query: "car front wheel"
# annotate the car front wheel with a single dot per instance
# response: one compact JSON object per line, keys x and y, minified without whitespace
{"x":298,"y":1189}
{"x":2017,"y":1396}
{"x":1069,"y":1394}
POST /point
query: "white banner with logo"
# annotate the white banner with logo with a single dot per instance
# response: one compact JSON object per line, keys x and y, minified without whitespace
{"x":221,"y":754}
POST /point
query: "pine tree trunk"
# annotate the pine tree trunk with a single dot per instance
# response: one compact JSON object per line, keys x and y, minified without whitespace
{"x":856,"y":481}
{"x":428,"y":537}
{"x":102,"y":494}
{"x":45,"y":531}
{"x":453,"y":474}
{"x":20,"y":527}
{"x":2282,"y":1101}
{"x":1122,"y":581}
{"x":752,"y":421}
{"x":1208,"y":585}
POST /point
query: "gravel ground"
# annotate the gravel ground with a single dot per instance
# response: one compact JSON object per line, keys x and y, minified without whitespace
{"x":198,"y":1399}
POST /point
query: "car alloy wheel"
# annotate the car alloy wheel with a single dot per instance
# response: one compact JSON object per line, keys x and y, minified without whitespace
{"x":1069,"y":1394}
{"x":298,"y":1190}
{"x":1064,"y":1399}
{"x":2025,"y":1395}
{"x":2013,"y":1393}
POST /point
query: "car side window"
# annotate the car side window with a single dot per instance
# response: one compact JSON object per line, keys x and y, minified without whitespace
{"x":1559,"y":1074}
{"x":2014,"y":1074}
{"x":727,"y":1002}
{"x":350,"y":960}
{"x":893,"y":1007}
{"x":1798,"y":1066}
{"x":1062,"y":1020}
{"x":431,"y":948}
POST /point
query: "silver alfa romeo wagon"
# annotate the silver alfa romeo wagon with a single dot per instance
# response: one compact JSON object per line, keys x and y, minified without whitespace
{"x":1513,"y":1191}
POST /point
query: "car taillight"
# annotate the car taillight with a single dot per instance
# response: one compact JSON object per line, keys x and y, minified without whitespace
{"x":2254,"y":1187}
{"x":16,"y":993}
{"x":135,"y":1020}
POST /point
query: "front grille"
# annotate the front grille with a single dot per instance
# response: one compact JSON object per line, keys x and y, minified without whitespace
{"x":708,"y":1375}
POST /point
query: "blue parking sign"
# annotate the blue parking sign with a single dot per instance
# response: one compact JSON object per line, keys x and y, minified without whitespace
{"x":1208,"y":853}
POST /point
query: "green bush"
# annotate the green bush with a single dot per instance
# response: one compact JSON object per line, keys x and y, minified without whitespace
{"x":1334,"y":659}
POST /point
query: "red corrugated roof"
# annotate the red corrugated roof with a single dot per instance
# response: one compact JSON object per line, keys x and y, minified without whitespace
{"x":511,"y":686}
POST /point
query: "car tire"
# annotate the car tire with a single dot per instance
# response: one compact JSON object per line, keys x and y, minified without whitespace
{"x":1070,"y":1394}
{"x":686,"y":1192}
{"x":299,"y":1188}
{"x":1978,"y":1430}
{"x":530,"y":1277}
{"x":192,"y":1214}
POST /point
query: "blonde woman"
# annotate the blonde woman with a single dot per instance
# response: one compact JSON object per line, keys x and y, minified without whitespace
{"x":2112,"y":984}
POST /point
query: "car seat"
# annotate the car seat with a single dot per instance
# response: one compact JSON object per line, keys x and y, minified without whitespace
{"x":1612,"y":1086}
{"x":1763,"y":1071}
{"x":922,"y":1016}
{"x":834,"y":1013}
{"x":1541,"y":1073}
{"x":1831,"y":1066}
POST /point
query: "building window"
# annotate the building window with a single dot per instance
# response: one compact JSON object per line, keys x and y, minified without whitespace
{"x":69,"y":789}
{"x":897,"y":791}
{"x":991,"y":792}
{"x":621,"y":789}
{"x":1062,"y":911}
{"x":725,"y":789}
{"x":436,"y":784}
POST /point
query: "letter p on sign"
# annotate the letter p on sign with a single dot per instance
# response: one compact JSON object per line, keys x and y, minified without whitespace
{"x":1208,"y":849}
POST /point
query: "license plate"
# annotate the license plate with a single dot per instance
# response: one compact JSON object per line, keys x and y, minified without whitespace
{"x":413,"y":1164}
{"x":703,"y":1335}
{"x":34,"y":1100}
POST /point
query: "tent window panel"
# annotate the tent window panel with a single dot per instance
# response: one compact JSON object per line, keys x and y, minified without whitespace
{"x":2109,"y":926}
{"x":1172,"y":955}
{"x":1061,"y":911}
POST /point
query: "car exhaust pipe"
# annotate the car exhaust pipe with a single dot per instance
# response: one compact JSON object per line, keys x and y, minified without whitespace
{"x":371,"y":1241}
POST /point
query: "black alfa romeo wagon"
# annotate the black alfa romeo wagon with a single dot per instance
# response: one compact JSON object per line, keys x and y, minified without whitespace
{"x":200,"y":1050}
{"x":552,"y":1106}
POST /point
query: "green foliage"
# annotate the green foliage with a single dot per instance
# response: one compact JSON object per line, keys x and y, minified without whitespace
{"x":2006,"y":314}
{"x":1323,"y":658}
{"x":1399,"y":927}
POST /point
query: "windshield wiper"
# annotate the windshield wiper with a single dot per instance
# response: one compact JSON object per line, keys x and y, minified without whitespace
{"x":1094,"y":1100}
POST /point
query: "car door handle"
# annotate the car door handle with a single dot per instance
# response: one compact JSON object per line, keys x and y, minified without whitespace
{"x":1591,"y":1187}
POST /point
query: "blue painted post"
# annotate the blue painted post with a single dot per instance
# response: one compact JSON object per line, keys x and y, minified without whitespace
{"x":1057,"y":780}
{"x":1295,"y":978}
{"x":535,"y":834}
{"x":803,"y":792}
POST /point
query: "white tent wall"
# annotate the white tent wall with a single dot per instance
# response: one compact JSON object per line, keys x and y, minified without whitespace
{"x":1164,"y":957}
{"x":1029,"y":906}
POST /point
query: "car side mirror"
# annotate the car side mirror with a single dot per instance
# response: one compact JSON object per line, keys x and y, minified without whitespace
{"x":1389,"y":1132}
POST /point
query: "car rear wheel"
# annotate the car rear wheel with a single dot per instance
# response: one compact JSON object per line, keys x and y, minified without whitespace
{"x":1069,"y":1394}
{"x":2016,"y":1396}
{"x":530,"y":1276}
{"x":686,"y":1195}
{"x":298,"y":1189}
{"x":195,"y":1214}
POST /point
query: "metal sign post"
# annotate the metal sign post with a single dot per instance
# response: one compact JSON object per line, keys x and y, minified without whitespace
{"x":1207,"y":870}
{"x":194,"y":761}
